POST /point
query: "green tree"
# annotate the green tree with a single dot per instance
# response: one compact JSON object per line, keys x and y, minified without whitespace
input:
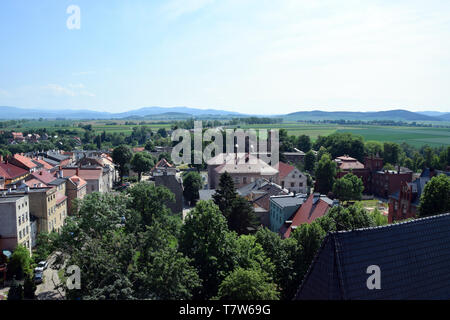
{"x":142,"y":162}
{"x":242,"y":218}
{"x":205,"y":238}
{"x":325,"y":174}
{"x":373,"y":148}
{"x":29,"y":288}
{"x":247,"y":284}
{"x":349,"y":187}
{"x":310,"y":160}
{"x":304,"y":143}
{"x":15,"y":291}
{"x":391,"y":152}
{"x":19,"y":265}
{"x":225,"y":194}
{"x":192,"y":183}
{"x":122,"y":156}
{"x":435,"y":198}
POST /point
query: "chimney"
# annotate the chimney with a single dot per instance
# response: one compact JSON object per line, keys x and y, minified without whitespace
{"x":77,"y":171}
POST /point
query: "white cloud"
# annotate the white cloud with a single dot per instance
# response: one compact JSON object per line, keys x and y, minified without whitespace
{"x":72,"y":90}
{"x":176,"y":8}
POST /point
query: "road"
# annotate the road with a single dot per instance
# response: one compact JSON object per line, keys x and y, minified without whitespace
{"x":47,"y":289}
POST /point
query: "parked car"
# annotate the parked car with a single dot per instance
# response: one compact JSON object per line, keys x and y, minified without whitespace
{"x":41,"y":266}
{"x":38,"y":277}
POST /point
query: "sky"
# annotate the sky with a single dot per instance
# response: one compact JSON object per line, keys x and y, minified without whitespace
{"x":249,"y":56}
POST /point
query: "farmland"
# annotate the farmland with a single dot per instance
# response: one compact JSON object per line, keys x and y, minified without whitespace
{"x":415,"y":136}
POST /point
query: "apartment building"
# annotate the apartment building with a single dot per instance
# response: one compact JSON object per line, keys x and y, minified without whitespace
{"x":15,"y":228}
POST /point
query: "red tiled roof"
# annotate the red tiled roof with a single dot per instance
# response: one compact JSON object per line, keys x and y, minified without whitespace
{"x":78,"y":181}
{"x":43,"y":176}
{"x":163,"y":163}
{"x":85,"y":174}
{"x":138,"y":149}
{"x":10,"y":171}
{"x":307,"y":213}
{"x":35,"y":183}
{"x":46,"y":165}
{"x":284,"y":169}
{"x":25,"y":161}
{"x":347,"y":163}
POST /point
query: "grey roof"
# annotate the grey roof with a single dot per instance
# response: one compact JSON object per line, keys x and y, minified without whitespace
{"x":8,"y":199}
{"x":413,"y":257}
{"x":289,"y":201}
{"x":57,"y":182}
{"x":206,"y":194}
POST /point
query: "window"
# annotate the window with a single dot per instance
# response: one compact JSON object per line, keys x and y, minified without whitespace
{"x":292,"y":184}
{"x":244,"y":180}
{"x":300,"y":184}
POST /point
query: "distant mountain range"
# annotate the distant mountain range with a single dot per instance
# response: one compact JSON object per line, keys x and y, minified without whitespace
{"x":395,"y":115}
{"x":175,"y":113}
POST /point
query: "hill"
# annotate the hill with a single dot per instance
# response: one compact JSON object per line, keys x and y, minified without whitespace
{"x":396,"y":115}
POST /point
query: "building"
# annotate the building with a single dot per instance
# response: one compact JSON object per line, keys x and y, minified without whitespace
{"x":24,"y":163}
{"x":61,"y":159}
{"x":244,"y":168}
{"x":93,"y":176}
{"x":172,"y":181}
{"x":376,"y":180}
{"x":282,"y":208}
{"x":46,"y":204}
{"x":18,"y":136}
{"x":314,"y":207}
{"x":294,"y":157}
{"x":412,"y":259}
{"x":11,"y":173}
{"x":404,"y":203}
{"x":14,"y":222}
{"x":292,"y":179}
{"x":258,"y":193}
{"x":76,"y":188}
{"x":163,"y":166}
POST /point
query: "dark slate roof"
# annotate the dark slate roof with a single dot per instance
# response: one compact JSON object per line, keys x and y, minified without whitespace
{"x":414,"y":259}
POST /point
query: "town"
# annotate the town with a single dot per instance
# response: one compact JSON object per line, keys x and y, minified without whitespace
{"x":274,"y":221}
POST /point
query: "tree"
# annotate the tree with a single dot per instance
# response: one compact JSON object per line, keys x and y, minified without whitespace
{"x":225,"y":194}
{"x":391,"y":152}
{"x":15,"y":291}
{"x":247,"y":284}
{"x":349,"y":187}
{"x":373,"y":148}
{"x":122,"y":156}
{"x":304,"y":143}
{"x":310,"y":160}
{"x":205,"y":238}
{"x":29,"y":288}
{"x":162,"y":132}
{"x":142,"y":162}
{"x":20,"y":263}
{"x":192,"y":183}
{"x":435,"y":198}
{"x":150,"y":146}
{"x":352,"y":217}
{"x":242,"y":218}
{"x":325,"y":174}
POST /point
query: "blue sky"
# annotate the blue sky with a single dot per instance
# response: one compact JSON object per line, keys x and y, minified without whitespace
{"x":253,"y":56}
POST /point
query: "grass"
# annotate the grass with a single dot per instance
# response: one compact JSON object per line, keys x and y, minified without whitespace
{"x":415,"y":136}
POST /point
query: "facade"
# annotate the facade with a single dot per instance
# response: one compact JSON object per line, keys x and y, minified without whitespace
{"x":413,"y":259}
{"x":292,"y":179}
{"x":93,"y":177}
{"x":76,"y":188}
{"x":15,"y":226}
{"x":404,"y":203}
{"x":294,"y":157}
{"x":172,"y":181}
{"x":282,"y":208}
{"x":314,"y":207}
{"x":244,"y":168}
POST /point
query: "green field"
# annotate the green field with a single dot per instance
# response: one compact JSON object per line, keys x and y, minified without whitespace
{"x":416,"y":136}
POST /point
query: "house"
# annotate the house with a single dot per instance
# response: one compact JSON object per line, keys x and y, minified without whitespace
{"x":24,"y":163}
{"x":14,"y":222}
{"x":165,"y":174}
{"x":244,"y":168}
{"x":76,"y":188}
{"x":18,"y":136}
{"x":39,"y":178}
{"x":46,"y":205}
{"x":282,"y":207}
{"x":314,"y":207}
{"x":292,"y":179}
{"x":376,"y":180}
{"x":411,"y":258}
{"x":294,"y":157}
{"x":92,"y":175}
{"x":11,"y":173}
{"x":61,"y":159}
{"x":404,"y":203}
{"x":258,"y":193}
